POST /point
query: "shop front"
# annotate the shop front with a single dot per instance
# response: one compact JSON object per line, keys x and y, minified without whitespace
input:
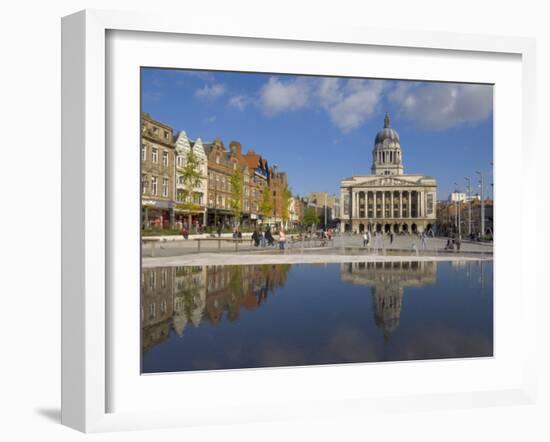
{"x":156,"y":214}
{"x":215,"y":217}
{"x":196,"y":219}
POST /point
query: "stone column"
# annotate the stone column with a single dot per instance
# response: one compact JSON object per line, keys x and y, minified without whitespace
{"x":391,"y":205}
{"x":409,"y":206}
{"x":383,"y":204}
{"x":351,"y":205}
{"x":400,"y":204}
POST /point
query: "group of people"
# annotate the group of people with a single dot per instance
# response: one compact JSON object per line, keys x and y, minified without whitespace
{"x":185,"y":229}
{"x":376,"y":239}
{"x":265,"y":238}
{"x":453,"y":242}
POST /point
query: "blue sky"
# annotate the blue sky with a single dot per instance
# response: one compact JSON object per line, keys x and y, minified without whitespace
{"x":320,"y":129}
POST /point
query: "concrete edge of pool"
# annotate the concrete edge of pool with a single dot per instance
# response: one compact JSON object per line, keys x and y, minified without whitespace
{"x":249,"y":259}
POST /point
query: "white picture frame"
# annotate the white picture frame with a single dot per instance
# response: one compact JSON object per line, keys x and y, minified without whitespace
{"x":86,"y":232}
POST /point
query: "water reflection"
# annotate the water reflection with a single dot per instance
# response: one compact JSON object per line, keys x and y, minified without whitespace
{"x":388,"y":280}
{"x":210,"y":317}
{"x":181,"y":296}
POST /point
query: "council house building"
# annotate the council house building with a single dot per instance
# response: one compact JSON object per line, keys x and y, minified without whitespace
{"x":388,"y":199}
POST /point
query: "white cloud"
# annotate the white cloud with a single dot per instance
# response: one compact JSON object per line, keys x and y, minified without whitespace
{"x":350,"y":103}
{"x":239,"y":101}
{"x":277,"y":96}
{"x":443,"y":105}
{"x":210,"y":91}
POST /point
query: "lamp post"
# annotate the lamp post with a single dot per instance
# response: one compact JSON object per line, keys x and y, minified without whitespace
{"x":482,"y":233}
{"x":469,"y":205}
{"x":458,"y":210}
{"x":326,"y":197}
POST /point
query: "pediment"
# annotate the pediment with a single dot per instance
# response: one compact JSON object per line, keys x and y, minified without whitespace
{"x":386,"y":181}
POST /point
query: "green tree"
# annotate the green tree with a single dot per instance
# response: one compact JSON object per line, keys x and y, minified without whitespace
{"x":190,"y":176}
{"x":266,"y":203}
{"x":311,"y":217}
{"x":236,"y":200}
{"x":286,"y":195}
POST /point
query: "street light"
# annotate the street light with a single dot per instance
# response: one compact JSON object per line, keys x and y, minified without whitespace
{"x":469,"y":206}
{"x":458,"y":209}
{"x":482,"y":233}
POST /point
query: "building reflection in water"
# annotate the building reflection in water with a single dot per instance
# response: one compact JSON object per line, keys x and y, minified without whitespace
{"x":388,"y":281}
{"x":176,"y":297}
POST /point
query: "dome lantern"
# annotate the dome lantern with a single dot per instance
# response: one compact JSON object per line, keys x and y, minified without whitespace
{"x":386,"y":155}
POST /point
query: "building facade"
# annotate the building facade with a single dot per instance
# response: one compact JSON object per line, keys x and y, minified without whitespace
{"x":388,"y":199}
{"x":157,"y":173}
{"x":259,"y":173}
{"x":190,"y":195}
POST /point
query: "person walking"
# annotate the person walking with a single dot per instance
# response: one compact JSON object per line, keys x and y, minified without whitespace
{"x":261,"y":235}
{"x":391,"y":237}
{"x":219,"y":229}
{"x":423,"y":240}
{"x":365,"y":239}
{"x":457,"y":242}
{"x":282,"y":239}
{"x":255,"y":238}
{"x":269,"y":237}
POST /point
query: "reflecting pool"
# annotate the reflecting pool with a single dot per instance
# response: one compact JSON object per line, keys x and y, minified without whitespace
{"x":222,"y":317}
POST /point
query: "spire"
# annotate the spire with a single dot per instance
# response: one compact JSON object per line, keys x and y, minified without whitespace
{"x":387,"y":120}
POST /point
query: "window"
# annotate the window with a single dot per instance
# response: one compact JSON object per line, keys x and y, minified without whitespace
{"x":430,"y":203}
{"x":223,"y":183}
{"x":155,"y":155}
{"x":165,"y":187}
{"x":217,"y":181}
{"x":165,"y":134}
{"x":210,"y":200}
{"x":217,"y":159}
{"x":154,"y":185}
{"x":165,"y":159}
{"x":143,"y":184}
{"x":211,"y":179}
{"x":143,"y":152}
{"x":164,"y":277}
{"x":234,"y":166}
{"x":223,"y":201}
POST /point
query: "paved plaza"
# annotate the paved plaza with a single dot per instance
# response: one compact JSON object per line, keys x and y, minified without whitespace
{"x":224,"y":250}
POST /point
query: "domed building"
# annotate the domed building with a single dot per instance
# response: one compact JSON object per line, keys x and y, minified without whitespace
{"x":388,"y":199}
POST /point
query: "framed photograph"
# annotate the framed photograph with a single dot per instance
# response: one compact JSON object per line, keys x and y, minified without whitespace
{"x":317,"y":222}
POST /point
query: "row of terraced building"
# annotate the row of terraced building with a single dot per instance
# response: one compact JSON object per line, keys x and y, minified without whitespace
{"x":165,"y":199}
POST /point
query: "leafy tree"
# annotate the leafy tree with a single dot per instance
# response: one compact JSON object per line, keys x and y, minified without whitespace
{"x":191,"y":177}
{"x":266,"y":203}
{"x":286,"y":195}
{"x":311,"y":217}
{"x":236,"y":199}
